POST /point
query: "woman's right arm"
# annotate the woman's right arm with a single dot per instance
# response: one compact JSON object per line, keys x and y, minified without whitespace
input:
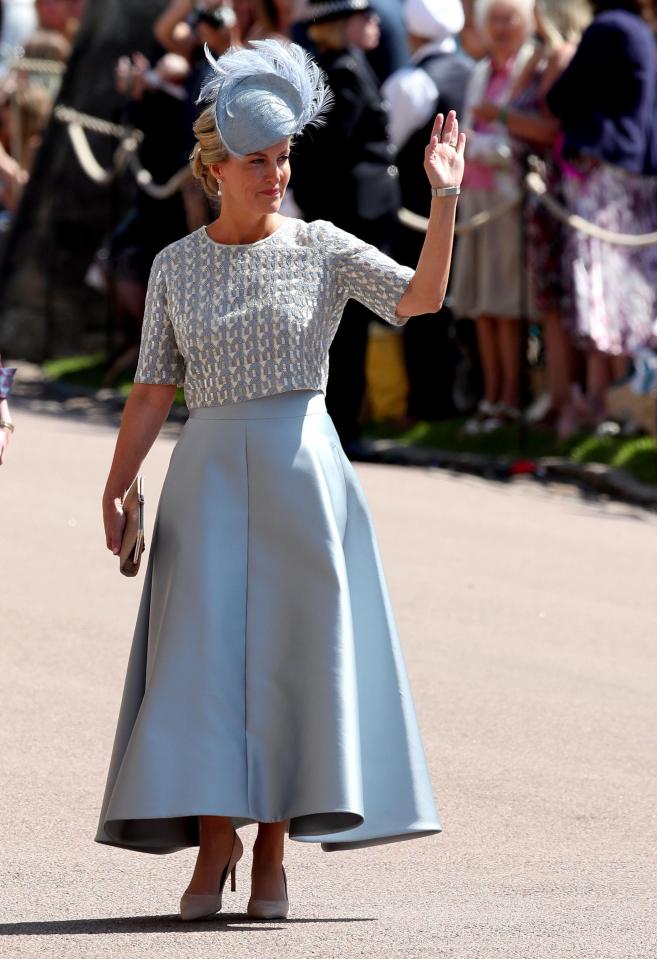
{"x":145,"y":412}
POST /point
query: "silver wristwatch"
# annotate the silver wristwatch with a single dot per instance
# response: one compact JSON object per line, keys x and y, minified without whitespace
{"x":445,"y":190}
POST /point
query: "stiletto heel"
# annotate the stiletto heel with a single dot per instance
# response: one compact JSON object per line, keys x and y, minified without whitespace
{"x":269,"y":908}
{"x":200,"y":905}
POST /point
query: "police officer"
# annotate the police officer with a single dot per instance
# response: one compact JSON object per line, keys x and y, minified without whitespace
{"x":344,"y":172}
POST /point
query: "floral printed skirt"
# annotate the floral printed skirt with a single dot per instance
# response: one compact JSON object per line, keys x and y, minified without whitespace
{"x":545,"y":237}
{"x":613,"y":289}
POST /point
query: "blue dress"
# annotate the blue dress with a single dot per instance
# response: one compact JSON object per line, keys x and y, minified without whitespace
{"x":266,"y":681}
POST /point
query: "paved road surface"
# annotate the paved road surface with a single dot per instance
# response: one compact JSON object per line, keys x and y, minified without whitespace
{"x":529,"y":622}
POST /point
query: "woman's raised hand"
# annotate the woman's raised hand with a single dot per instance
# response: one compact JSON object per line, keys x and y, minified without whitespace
{"x":443,"y":158}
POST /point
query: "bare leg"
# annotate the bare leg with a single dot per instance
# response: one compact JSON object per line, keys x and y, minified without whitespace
{"x":559,"y":357}
{"x":599,"y":375}
{"x":266,"y":872}
{"x":509,"y":335}
{"x":620,"y":366}
{"x":490,"y":357}
{"x":213,"y":854}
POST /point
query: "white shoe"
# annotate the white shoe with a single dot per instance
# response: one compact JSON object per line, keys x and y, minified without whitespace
{"x":269,"y":908}
{"x":539,"y":408}
{"x":199,"y":905}
{"x":485,"y":412}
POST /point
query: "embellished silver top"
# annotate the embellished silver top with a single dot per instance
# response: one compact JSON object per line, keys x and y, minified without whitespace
{"x":232,"y":322}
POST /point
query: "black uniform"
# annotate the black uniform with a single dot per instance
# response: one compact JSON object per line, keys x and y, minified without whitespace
{"x":343,"y":172}
{"x":430,"y":353}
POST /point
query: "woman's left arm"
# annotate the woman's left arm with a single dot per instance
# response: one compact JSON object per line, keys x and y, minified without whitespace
{"x":444,"y":164}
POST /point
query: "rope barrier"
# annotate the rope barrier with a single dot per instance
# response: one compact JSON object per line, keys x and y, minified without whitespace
{"x":159,"y":191}
{"x":126,"y":156}
{"x":88,"y":161}
{"x":420,"y":223}
{"x":537,"y":186}
{"x":95,"y":124}
{"x":37,"y":65}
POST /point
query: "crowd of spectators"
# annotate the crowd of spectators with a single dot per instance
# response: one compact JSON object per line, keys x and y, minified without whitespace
{"x":546,"y":89}
{"x":36,"y":44}
{"x":565,"y":87}
{"x":34,"y":54}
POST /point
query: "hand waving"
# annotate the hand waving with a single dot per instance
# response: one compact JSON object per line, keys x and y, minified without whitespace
{"x":443,"y":158}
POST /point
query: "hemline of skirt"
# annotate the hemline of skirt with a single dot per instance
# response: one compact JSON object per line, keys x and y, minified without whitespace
{"x":417,"y":831}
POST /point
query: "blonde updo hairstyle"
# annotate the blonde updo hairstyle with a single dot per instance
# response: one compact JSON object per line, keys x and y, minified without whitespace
{"x":564,"y":21}
{"x":209,"y":149}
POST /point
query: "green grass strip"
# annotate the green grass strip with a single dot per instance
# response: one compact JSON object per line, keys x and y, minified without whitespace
{"x":637,"y":455}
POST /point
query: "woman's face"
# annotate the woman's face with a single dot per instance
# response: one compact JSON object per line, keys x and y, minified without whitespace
{"x":257,"y":181}
{"x":363,"y":30}
{"x":505,"y":28}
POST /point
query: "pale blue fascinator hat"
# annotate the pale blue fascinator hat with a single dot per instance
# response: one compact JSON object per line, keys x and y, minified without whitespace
{"x":264,"y":93}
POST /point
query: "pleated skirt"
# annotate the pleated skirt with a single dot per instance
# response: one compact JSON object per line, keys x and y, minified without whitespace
{"x":265,"y":680}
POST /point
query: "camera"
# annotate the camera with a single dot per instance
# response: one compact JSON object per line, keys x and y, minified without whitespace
{"x":217,"y":17}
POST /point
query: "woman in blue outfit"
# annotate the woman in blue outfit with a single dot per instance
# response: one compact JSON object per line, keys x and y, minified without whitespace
{"x":266,"y":681}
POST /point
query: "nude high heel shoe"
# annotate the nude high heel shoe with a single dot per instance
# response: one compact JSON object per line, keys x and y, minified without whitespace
{"x":269,"y":908}
{"x":199,"y":905}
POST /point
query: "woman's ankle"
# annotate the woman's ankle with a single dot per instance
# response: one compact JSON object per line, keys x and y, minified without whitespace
{"x":216,"y":832}
{"x":269,"y":846}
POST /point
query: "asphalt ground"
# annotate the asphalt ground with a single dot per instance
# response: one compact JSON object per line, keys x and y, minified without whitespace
{"x":528,"y":620}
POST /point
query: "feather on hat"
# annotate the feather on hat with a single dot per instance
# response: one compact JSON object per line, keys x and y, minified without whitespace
{"x":264,"y":93}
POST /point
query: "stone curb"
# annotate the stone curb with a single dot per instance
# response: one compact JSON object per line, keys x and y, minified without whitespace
{"x":595,"y":477}
{"x":33,"y":391}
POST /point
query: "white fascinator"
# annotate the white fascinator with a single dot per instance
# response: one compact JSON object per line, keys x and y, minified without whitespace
{"x":264,"y":93}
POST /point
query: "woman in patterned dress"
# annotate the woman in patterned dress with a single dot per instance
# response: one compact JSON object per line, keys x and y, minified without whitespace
{"x":610,"y":163}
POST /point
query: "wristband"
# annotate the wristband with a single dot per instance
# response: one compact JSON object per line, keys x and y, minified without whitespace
{"x":445,"y":190}
{"x":503,"y":115}
{"x":6,"y":425}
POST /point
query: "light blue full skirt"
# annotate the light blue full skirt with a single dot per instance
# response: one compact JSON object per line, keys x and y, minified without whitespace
{"x":266,"y":680}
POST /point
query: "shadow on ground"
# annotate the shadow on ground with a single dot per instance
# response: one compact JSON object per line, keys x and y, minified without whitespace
{"x":113,"y":925}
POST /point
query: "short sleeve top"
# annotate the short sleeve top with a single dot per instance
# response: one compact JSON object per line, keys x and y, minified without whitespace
{"x":232,"y":322}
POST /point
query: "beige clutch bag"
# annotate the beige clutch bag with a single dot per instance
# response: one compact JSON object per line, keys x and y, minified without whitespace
{"x":133,"y":545}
